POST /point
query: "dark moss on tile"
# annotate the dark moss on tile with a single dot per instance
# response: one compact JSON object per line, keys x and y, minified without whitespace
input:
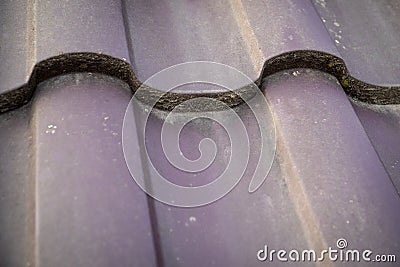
{"x":104,"y":64}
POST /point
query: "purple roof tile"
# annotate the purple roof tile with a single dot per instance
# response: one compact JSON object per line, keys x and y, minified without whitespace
{"x":328,"y":69}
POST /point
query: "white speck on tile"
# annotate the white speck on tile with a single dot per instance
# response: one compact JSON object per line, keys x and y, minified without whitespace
{"x":51,"y":129}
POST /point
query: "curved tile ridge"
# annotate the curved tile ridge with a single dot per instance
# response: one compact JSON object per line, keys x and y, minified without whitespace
{"x":104,"y":64}
{"x":335,"y":66}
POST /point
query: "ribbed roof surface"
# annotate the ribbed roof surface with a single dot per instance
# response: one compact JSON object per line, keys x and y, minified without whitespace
{"x":330,"y":71}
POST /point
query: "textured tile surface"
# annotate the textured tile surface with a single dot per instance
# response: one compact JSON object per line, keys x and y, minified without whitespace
{"x":67,"y":197}
{"x":366,"y":35}
{"x":15,"y":53}
{"x":103,"y":215}
{"x":336,"y":176}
